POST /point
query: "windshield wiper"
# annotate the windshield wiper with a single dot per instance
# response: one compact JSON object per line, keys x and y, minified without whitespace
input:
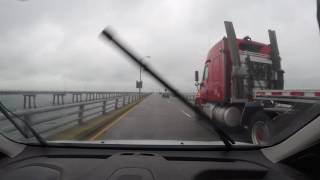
{"x":228,"y":141}
{"x":6,"y":112}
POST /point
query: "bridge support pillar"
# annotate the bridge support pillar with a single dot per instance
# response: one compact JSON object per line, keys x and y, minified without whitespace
{"x":29,"y":101}
{"x":76,"y":97}
{"x":58,"y":98}
{"x":90,"y":96}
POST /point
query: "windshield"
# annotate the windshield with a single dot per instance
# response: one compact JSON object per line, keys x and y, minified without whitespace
{"x":65,"y":77}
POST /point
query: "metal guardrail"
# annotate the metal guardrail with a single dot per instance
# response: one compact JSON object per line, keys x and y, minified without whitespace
{"x":190,"y":97}
{"x":60,"y":116}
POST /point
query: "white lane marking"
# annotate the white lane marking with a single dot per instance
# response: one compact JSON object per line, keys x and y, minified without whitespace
{"x":168,"y":101}
{"x":188,"y":115}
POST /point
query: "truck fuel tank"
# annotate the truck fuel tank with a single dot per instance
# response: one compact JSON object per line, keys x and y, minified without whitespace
{"x":228,"y":116}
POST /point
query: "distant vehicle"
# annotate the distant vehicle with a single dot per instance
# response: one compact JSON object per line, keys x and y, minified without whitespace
{"x":236,"y":71}
{"x":165,"y":94}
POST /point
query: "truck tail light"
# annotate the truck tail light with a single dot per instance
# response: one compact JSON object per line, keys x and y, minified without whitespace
{"x":295,"y":93}
{"x":276,"y":93}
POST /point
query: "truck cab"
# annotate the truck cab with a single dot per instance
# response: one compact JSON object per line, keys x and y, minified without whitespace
{"x":256,"y":65}
{"x":233,"y":70}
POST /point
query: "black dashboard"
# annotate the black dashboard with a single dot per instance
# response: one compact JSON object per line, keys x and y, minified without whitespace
{"x":50,"y":163}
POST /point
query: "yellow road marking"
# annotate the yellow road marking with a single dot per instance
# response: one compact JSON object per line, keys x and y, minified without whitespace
{"x":105,"y":129}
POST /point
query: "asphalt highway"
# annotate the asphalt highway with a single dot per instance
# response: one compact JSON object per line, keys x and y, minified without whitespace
{"x":158,"y":118}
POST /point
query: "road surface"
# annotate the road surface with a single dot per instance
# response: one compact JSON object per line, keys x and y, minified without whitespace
{"x":159,"y":119}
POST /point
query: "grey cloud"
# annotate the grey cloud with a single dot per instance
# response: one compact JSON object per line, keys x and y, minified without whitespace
{"x":55,"y":44}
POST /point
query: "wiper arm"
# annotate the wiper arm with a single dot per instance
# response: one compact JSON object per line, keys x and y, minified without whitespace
{"x":5,"y":111}
{"x":228,"y":141}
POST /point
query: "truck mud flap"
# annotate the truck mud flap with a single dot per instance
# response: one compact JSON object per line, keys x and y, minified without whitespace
{"x":249,"y":109}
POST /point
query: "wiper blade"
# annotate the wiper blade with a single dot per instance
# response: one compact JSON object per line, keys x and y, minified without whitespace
{"x":6,"y":112}
{"x":228,"y":141}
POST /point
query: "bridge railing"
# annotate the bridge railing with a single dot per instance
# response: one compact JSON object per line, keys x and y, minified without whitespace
{"x":53,"y":119}
{"x":35,"y":99}
{"x":190,"y":97}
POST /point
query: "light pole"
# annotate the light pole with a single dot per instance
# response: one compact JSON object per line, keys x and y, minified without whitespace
{"x":139,"y":85}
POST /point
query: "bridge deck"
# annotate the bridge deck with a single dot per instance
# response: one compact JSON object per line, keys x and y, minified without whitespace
{"x":158,"y":118}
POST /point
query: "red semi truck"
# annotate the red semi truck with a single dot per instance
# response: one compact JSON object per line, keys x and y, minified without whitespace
{"x":240,"y":80}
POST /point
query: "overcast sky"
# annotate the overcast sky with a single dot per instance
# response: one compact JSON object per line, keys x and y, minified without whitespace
{"x":54,"y":45}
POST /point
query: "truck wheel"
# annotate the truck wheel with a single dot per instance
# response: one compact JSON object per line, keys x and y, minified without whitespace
{"x":259,"y":128}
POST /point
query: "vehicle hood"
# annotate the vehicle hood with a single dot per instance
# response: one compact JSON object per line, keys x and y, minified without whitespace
{"x":148,"y":142}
